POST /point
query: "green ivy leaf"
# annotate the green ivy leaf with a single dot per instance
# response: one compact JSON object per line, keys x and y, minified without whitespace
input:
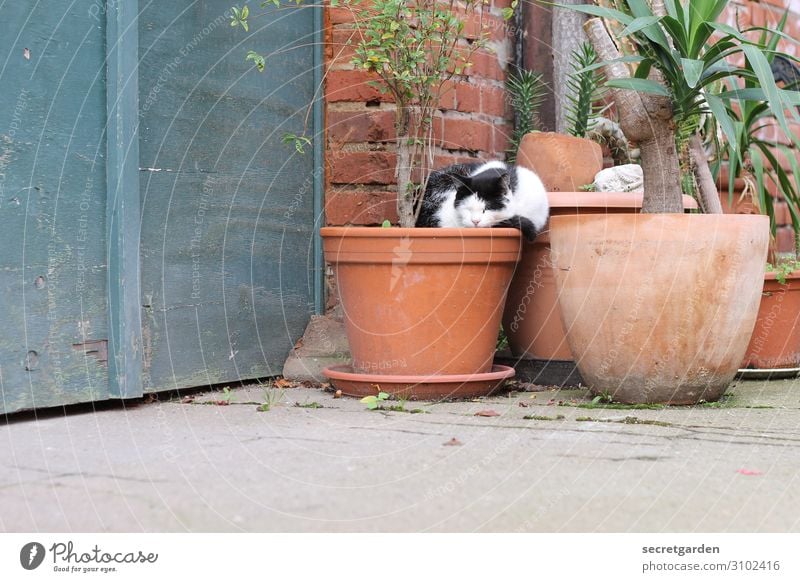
{"x":371,"y":402}
{"x":299,"y":142}
{"x":258,"y":60}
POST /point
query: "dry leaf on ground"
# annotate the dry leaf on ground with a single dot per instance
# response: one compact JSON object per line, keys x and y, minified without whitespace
{"x":486,"y":413}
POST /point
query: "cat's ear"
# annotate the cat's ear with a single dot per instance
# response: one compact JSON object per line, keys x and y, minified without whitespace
{"x":464,"y":182}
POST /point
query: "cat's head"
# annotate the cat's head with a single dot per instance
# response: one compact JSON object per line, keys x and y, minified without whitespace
{"x":482,"y":200}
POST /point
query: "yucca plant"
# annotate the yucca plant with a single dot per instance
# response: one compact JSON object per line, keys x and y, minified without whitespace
{"x":751,"y":156}
{"x":586,"y":91}
{"x":527,"y":91}
{"x":759,"y":164}
{"x":677,"y":71}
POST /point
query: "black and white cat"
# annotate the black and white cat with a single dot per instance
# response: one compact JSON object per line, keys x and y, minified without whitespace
{"x":485,"y":195}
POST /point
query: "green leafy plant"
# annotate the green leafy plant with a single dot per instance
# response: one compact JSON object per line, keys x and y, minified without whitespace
{"x":272,"y":397}
{"x":783,"y":269}
{"x":299,"y":142}
{"x":502,"y":340}
{"x":227,"y":395}
{"x":678,"y":67}
{"x":239,"y":18}
{"x":508,"y":11}
{"x":373,"y":401}
{"x":754,"y":158}
{"x":526,"y":91}
{"x":401,"y":407}
{"x":258,"y":60}
{"x":678,"y":44}
{"x":604,"y":398}
{"x":414,"y":48}
{"x":586,"y":91}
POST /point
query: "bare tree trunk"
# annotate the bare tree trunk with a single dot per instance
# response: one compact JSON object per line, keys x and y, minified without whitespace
{"x":567,"y":36}
{"x":707,"y":193}
{"x":662,"y":176}
{"x":658,"y":8}
{"x":405,"y":201}
{"x":647,"y":120}
{"x":405,"y":191}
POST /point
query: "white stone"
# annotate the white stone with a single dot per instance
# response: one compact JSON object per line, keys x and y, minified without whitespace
{"x":625,"y":178}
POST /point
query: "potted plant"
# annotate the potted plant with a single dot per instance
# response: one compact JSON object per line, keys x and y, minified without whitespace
{"x":752,"y":160}
{"x":531,"y":319}
{"x":774,"y":348}
{"x":421,"y":305}
{"x":566,"y":162}
{"x":660,"y":306}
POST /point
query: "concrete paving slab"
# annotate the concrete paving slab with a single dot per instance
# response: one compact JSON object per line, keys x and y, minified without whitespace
{"x":549,"y":461}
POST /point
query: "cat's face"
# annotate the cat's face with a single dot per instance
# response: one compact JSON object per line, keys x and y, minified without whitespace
{"x":481,"y":201}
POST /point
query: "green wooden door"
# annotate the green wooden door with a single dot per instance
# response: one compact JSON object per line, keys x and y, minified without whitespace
{"x":227,"y":210}
{"x":156,"y":233}
{"x":53,"y":291}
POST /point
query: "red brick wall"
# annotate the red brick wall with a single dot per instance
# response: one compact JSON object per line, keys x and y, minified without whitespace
{"x":473,"y":121}
{"x":768,"y":13}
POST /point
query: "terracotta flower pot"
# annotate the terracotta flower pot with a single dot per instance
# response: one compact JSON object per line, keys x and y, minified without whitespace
{"x":422,"y":301}
{"x":775,"y":342}
{"x":659,"y":308}
{"x":563,"y":162}
{"x":531,"y":320}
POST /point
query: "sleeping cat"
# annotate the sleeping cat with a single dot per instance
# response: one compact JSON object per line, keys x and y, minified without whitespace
{"x":484,"y":195}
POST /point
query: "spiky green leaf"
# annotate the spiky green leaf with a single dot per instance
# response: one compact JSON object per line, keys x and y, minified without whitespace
{"x":639,"y":85}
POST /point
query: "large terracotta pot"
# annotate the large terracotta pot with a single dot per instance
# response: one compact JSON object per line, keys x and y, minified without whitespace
{"x":422,"y":301}
{"x":564,"y":163}
{"x":659,"y":308}
{"x":775,"y":342}
{"x":531,"y":319}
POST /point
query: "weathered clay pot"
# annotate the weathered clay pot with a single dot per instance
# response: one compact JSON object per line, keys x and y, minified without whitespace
{"x":422,"y":301}
{"x":563,"y":162}
{"x":531,"y":319}
{"x":775,"y":342}
{"x":659,"y":308}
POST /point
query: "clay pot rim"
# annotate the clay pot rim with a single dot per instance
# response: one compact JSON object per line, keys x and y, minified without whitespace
{"x":421,"y":246}
{"x":773,"y":276}
{"x":340,"y":372}
{"x":417,"y":232}
{"x":629,"y":217}
{"x":559,"y":135}
{"x":605,"y":200}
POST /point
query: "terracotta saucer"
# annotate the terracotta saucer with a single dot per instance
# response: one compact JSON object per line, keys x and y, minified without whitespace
{"x":434,"y":387}
{"x":767,"y":373}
